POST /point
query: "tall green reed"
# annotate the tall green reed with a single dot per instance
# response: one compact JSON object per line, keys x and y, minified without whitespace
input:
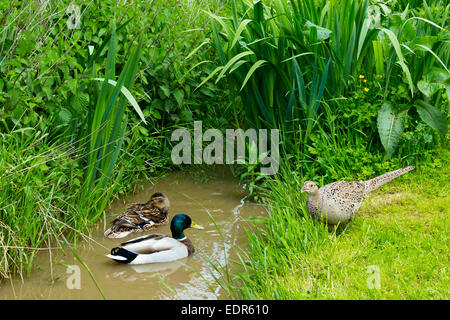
{"x":107,"y":120}
{"x":285,"y":57}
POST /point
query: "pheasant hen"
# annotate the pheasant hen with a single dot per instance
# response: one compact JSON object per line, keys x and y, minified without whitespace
{"x":338,"y":202}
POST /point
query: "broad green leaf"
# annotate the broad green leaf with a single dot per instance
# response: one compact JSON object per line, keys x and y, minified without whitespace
{"x":408,"y":75}
{"x":155,"y":113}
{"x":395,"y":42}
{"x":14,"y":94}
{"x":433,"y":81}
{"x":258,"y":11}
{"x":219,"y":45}
{"x":165,"y":89}
{"x":143,"y":130}
{"x":428,"y":41}
{"x":79,"y":102}
{"x":322,"y":85}
{"x":186,"y":115}
{"x":300,"y":83}
{"x":268,"y":116}
{"x":390,"y":126}
{"x":64,"y":116}
{"x":350,"y":52}
{"x":432,"y":116}
{"x":179,"y":95}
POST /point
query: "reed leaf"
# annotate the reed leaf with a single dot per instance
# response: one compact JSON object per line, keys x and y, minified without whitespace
{"x":250,"y":72}
{"x":106,"y":131}
{"x":401,"y":60}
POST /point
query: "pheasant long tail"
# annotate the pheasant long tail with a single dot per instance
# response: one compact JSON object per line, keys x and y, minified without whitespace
{"x":377,"y":182}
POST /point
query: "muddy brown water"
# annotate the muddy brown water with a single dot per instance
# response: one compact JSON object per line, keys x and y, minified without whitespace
{"x":189,"y":278}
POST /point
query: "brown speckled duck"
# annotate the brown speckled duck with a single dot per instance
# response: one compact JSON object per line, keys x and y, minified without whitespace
{"x":140,"y":217}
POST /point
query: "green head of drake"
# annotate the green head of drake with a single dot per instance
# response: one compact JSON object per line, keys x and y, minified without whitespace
{"x":179,"y":223}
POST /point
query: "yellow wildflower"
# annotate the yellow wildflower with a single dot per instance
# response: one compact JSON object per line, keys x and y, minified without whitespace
{"x":366,"y":89}
{"x":361,"y":76}
{"x":364,"y":80}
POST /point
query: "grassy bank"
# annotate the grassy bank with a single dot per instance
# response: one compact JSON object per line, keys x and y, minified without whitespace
{"x":401,"y":231}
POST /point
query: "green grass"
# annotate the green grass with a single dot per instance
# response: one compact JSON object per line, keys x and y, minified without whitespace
{"x":402,"y":229}
{"x":37,"y":196}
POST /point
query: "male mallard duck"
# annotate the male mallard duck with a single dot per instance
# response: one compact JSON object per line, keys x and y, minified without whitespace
{"x":140,"y":217}
{"x":158,"y":247}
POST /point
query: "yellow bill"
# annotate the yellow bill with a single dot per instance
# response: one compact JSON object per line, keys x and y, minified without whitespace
{"x":196,"y":226}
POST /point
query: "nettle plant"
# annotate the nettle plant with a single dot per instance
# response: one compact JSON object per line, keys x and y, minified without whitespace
{"x":420,"y":48}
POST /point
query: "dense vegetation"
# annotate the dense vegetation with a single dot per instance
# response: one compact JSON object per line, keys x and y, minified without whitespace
{"x":68,"y":141}
{"x":356,"y":87}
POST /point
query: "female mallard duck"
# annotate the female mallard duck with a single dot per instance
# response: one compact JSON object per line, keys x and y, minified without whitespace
{"x":158,"y":247}
{"x":140,"y":217}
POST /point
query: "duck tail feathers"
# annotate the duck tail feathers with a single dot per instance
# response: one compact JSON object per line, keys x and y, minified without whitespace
{"x":122,"y":255}
{"x":110,"y":233}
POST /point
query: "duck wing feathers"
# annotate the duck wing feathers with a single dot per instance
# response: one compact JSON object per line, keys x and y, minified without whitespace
{"x":152,"y":248}
{"x":137,"y":217}
{"x":150,"y":244}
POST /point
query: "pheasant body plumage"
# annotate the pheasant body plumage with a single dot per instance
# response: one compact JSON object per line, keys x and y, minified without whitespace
{"x":338,"y":202}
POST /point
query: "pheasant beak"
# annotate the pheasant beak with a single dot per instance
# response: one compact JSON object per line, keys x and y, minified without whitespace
{"x":196,"y":226}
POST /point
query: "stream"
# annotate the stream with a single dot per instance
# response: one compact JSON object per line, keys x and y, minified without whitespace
{"x":57,"y":275}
